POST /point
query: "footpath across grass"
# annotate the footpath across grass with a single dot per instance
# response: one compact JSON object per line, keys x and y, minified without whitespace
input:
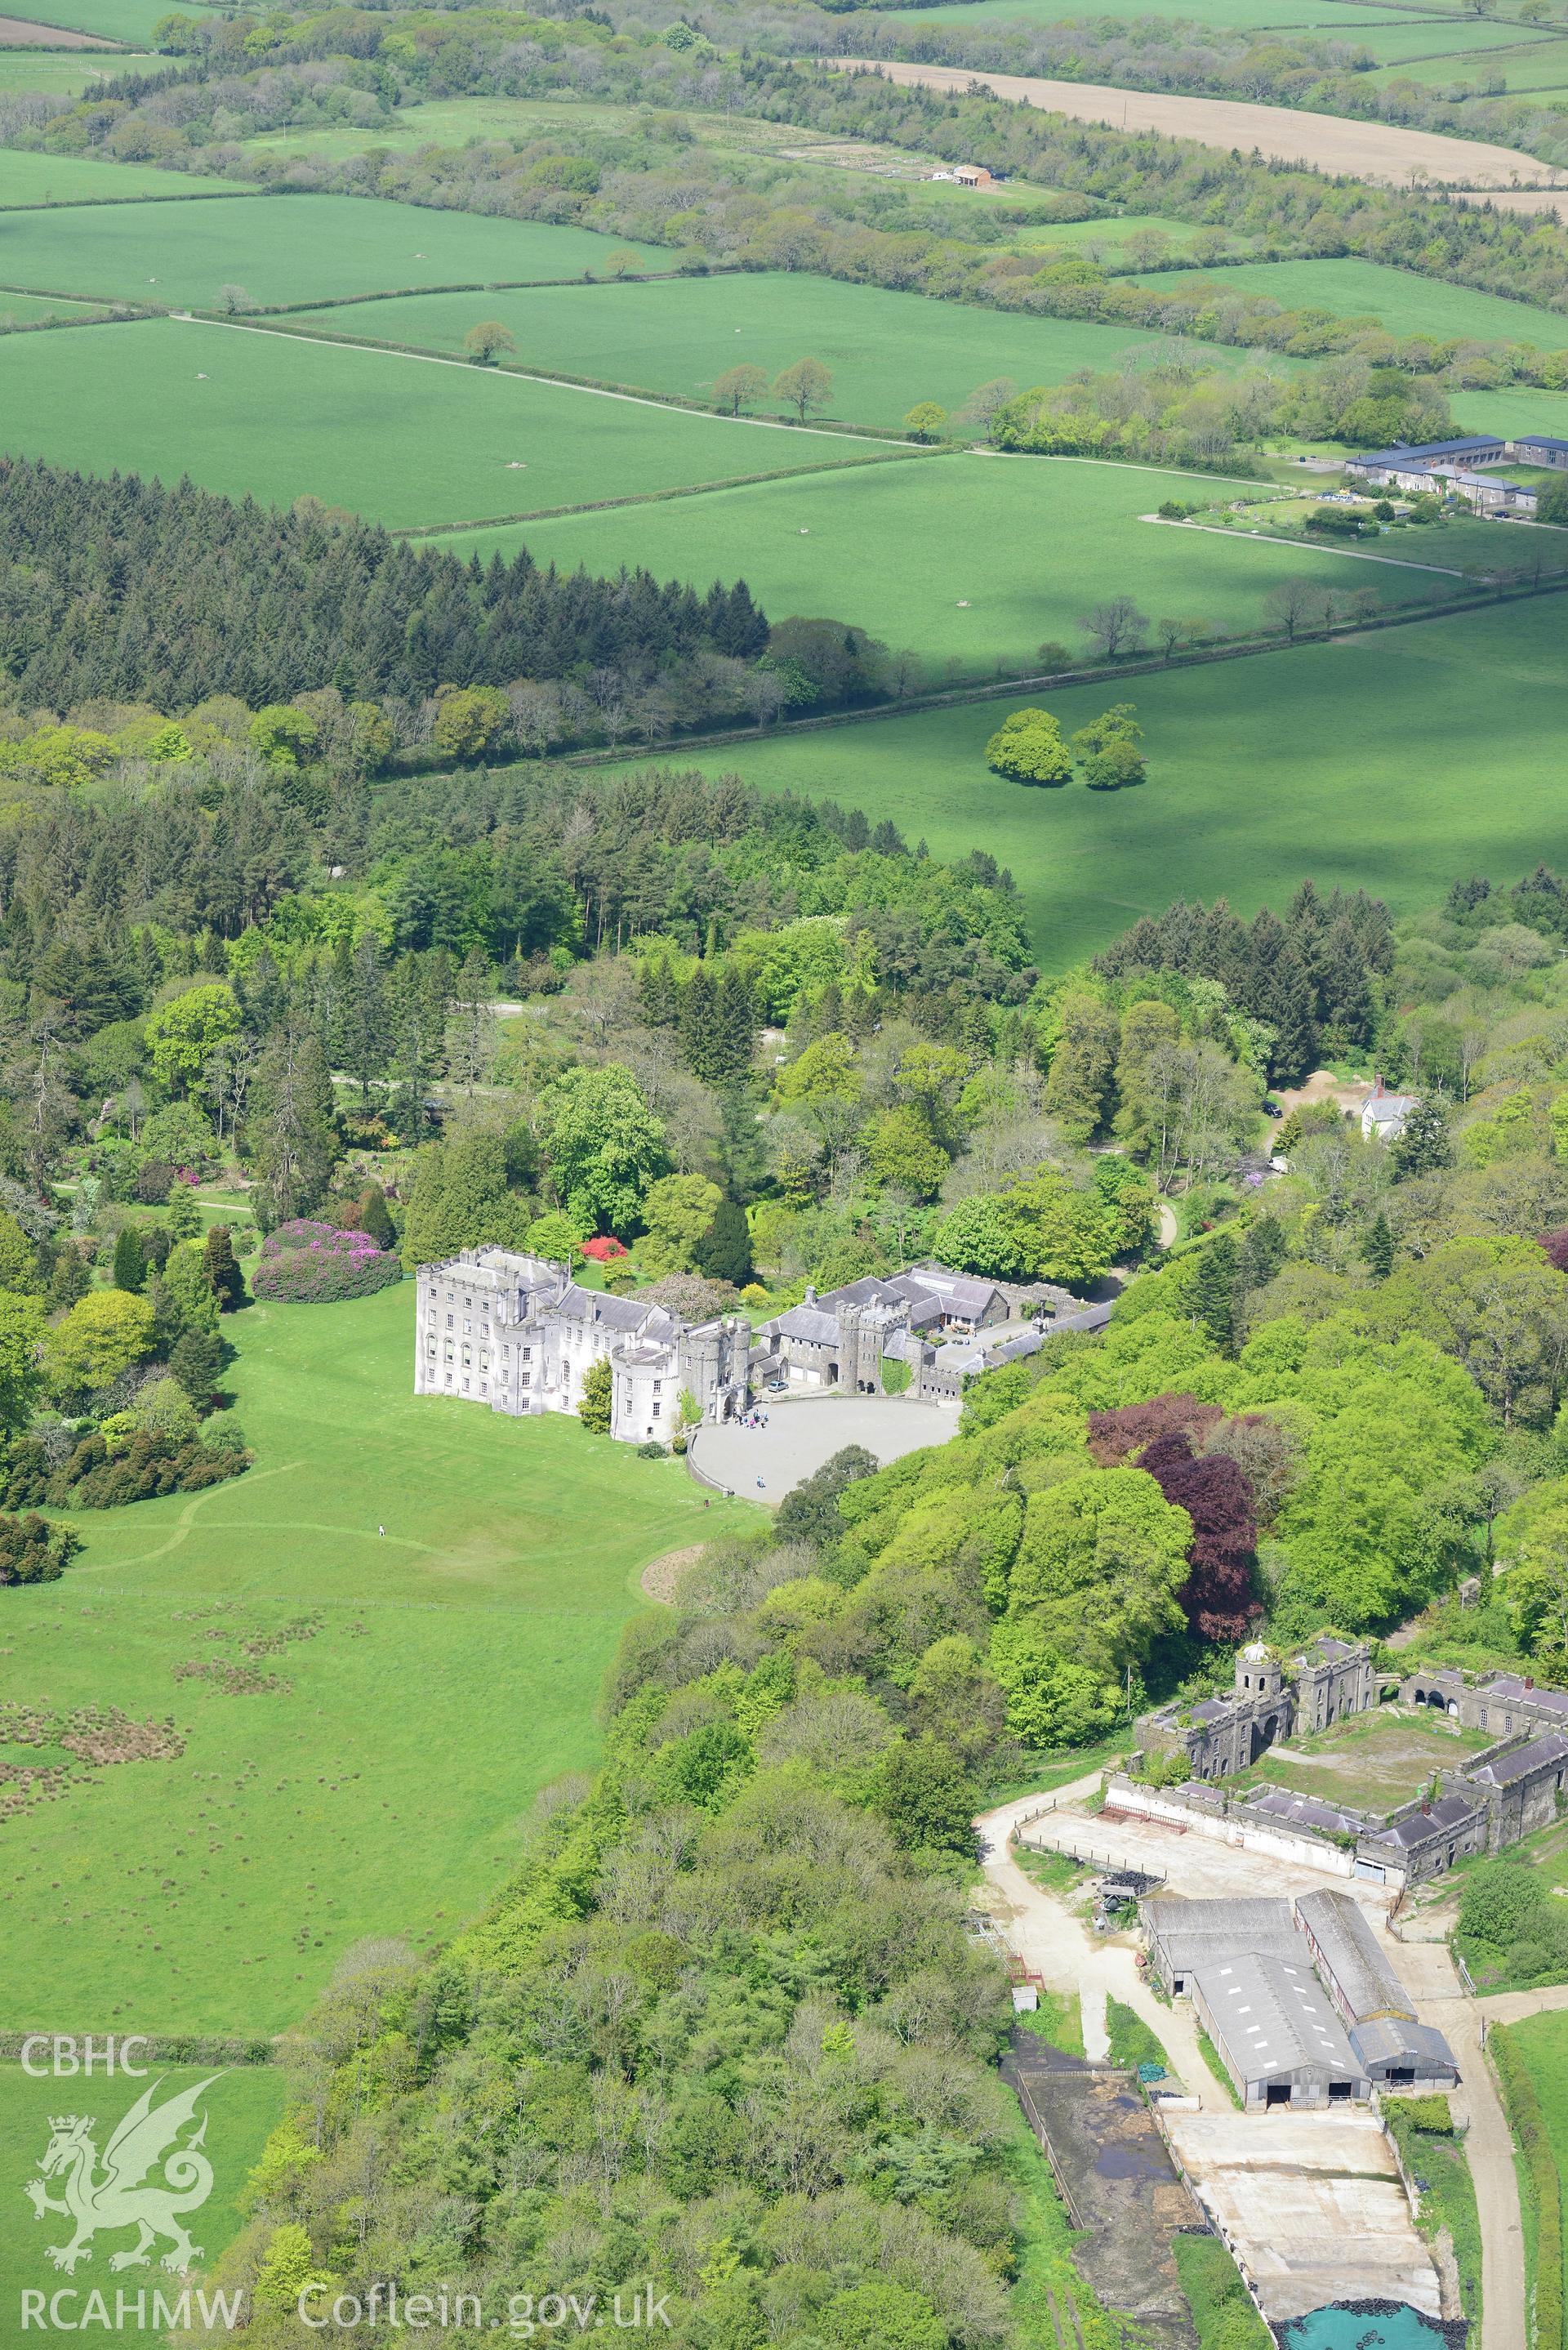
{"x":364,"y":1717}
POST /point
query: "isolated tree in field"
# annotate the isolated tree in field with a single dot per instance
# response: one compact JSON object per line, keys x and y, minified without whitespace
{"x":739,"y":386}
{"x":1115,"y":627}
{"x":1109,"y":748}
{"x":1112,"y":769}
{"x":926,"y":422}
{"x":233,"y":299}
{"x":805,"y":386}
{"x":488,"y":342}
{"x":1029,"y":747}
{"x":1293,"y":605}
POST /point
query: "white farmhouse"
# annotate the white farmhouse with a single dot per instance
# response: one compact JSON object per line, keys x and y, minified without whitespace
{"x":1383,"y":1114}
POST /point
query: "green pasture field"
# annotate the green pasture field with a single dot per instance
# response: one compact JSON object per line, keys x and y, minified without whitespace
{"x":66,"y":75}
{"x":1110,"y":229}
{"x":22,"y":309}
{"x":1392,"y":761}
{"x":886,"y":350}
{"x":243,"y":2103}
{"x":1540,"y":2044}
{"x":1523,"y":65}
{"x":1418,"y":39}
{"x":1406,"y":304}
{"x":974,"y":563}
{"x":1511,"y":411}
{"x":407,"y":442}
{"x":129,"y":22}
{"x":287,"y":248}
{"x":1543,"y":66}
{"x":449,"y":1670}
{"x":77,"y":180}
{"x":1330,"y":18}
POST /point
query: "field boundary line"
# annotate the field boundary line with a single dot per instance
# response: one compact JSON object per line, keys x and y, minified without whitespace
{"x":104,"y":204}
{"x":477,"y":285}
{"x":520,"y":375}
{"x":1058,"y":681}
{"x":660,"y":497}
{"x":1308,"y":546}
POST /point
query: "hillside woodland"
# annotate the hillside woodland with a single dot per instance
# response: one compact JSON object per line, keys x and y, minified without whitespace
{"x":724,"y":2030}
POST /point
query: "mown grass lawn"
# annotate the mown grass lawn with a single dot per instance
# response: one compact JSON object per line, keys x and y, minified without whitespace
{"x":241,"y":2106}
{"x":403,"y":440}
{"x":886,"y":350}
{"x":970,"y":560}
{"x":1394,"y":761}
{"x":449,"y":1670}
{"x":285,"y":248}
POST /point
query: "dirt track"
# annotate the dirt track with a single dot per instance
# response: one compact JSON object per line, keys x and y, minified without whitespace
{"x":1327,"y":142}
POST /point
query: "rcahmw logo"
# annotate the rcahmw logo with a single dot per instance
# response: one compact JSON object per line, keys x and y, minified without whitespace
{"x":150,"y":2176}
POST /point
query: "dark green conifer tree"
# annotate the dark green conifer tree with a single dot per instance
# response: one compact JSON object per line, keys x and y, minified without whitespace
{"x":1378,"y":1247}
{"x":129,"y":1265}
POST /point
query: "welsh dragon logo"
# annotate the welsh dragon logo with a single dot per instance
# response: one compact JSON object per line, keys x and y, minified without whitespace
{"x":121,"y":2194}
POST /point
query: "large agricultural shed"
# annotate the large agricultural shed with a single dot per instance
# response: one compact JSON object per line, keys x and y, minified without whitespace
{"x":1276,"y":2030}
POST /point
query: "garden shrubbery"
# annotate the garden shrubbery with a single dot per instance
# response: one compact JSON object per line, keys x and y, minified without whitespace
{"x":93,"y":1477}
{"x":32,"y":1551}
{"x":309,"y":1263}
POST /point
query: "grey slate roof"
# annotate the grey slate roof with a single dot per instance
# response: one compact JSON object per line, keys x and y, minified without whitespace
{"x":1271,"y":2015}
{"x":1347,"y":1951}
{"x":1514,"y":1690}
{"x":804,"y":1321}
{"x":959,"y":1291}
{"x":1397,"y":2040}
{"x":1305,"y":1812}
{"x":1447,"y":1812}
{"x":1428,"y":453}
{"x":1541,"y":1753}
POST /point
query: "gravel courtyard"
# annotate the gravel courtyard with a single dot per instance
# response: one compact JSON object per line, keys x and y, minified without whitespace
{"x":762,"y":1463}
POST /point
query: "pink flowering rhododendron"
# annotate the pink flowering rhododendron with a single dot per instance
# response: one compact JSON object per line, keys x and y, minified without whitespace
{"x":309,"y":1263}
